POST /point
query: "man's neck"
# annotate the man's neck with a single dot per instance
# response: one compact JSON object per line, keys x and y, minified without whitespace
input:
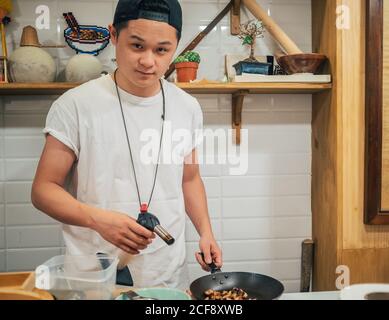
{"x":136,"y":91}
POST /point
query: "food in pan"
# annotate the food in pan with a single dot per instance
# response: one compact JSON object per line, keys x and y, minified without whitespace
{"x":233,"y":294}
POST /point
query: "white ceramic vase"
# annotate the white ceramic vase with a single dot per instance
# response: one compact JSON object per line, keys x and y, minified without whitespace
{"x":32,"y":64}
{"x":82,"y":68}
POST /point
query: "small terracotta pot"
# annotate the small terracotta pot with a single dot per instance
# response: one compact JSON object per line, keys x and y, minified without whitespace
{"x":186,"y":71}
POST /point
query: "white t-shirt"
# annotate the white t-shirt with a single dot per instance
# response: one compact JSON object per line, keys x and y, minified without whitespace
{"x":88,"y":120}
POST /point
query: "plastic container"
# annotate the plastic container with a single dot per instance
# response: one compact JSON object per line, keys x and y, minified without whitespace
{"x":78,"y":277}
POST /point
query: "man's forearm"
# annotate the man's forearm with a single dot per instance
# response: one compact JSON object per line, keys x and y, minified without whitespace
{"x":196,"y":205}
{"x":56,"y":202}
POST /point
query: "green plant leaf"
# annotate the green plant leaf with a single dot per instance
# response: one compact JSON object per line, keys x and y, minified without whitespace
{"x":189,"y":56}
{"x":248,"y":40}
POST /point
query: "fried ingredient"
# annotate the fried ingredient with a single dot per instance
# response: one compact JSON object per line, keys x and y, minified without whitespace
{"x":86,"y":34}
{"x":233,"y":294}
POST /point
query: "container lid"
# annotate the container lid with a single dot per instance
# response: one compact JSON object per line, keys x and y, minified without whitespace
{"x":29,"y":37}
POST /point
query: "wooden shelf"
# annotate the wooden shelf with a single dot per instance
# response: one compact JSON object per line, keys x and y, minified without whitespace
{"x":209,"y":88}
{"x":237,"y":90}
{"x":255,"y":87}
{"x":52,"y":88}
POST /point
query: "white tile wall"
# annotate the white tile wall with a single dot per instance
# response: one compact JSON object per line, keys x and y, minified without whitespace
{"x":28,"y":259}
{"x":2,"y":261}
{"x":259,"y":219}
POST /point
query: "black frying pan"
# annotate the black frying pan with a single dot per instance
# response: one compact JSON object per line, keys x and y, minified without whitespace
{"x":257,"y":286}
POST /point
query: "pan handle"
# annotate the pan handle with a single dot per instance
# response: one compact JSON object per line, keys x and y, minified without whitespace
{"x":212,"y":265}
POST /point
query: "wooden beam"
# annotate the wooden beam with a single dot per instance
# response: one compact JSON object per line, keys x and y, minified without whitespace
{"x":235,"y":17}
{"x":201,"y":35}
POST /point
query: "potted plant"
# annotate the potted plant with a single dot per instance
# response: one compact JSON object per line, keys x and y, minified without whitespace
{"x":186,"y":66}
{"x":249,"y":32}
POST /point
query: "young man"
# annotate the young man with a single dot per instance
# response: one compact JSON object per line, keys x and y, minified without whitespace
{"x":95,"y":137}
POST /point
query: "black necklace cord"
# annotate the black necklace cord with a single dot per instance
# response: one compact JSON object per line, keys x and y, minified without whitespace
{"x":144,"y":206}
{"x":145,"y":218}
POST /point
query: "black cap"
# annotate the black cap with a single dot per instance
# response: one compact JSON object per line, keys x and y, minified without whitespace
{"x":168,"y":11}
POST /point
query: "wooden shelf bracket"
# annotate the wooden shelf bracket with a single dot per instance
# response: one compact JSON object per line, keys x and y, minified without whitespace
{"x":235,"y":17}
{"x":237,"y":106}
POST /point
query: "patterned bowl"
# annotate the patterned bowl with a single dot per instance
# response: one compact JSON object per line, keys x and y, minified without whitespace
{"x":87,"y":46}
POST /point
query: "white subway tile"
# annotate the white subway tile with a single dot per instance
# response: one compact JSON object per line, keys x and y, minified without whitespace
{"x":283,"y":122}
{"x":18,"y":192}
{"x":193,"y":11}
{"x":286,"y":270}
{"x":245,"y":229}
{"x":1,"y":117}
{"x":22,"y":105}
{"x":248,"y":250}
{"x":2,"y":190}
{"x":20,"y":170}
{"x":246,"y":186}
{"x":292,"y":185}
{"x":278,"y":164}
{"x":210,"y":170}
{"x":292,"y":205}
{"x":261,"y":267}
{"x":214,"y":208}
{"x":291,"y":286}
{"x":192,"y":235}
{"x":2,"y":261}
{"x":2,"y":175}
{"x":287,"y":249}
{"x":102,"y":11}
{"x":191,"y":248}
{"x":24,"y":124}
{"x":31,"y":237}
{"x":26,"y":214}
{"x":190,"y":31}
{"x":286,"y":141}
{"x":218,"y":120}
{"x":2,"y":214}
{"x":257,"y":164}
{"x":1,"y":144}
{"x":29,"y":259}
{"x":292,"y":227}
{"x":24,"y":147}
{"x":247,"y":207}
{"x":251,"y":250}
{"x":292,"y":164}
{"x":208,"y":102}
{"x":2,"y":238}
{"x":212,"y":187}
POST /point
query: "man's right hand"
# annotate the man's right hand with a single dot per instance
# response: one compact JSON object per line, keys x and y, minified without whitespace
{"x":122,"y":231}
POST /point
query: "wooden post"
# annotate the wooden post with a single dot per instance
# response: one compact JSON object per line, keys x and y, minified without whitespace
{"x":306,"y":265}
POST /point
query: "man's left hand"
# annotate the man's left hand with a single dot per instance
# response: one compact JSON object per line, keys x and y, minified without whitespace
{"x":212,"y":253}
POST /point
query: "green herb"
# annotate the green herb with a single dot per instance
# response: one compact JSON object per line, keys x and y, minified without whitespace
{"x":189,"y":56}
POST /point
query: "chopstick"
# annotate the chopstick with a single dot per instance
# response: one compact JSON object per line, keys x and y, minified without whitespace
{"x":69,"y":22}
{"x":74,"y":21}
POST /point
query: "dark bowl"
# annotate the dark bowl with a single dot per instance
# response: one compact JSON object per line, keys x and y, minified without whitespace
{"x":301,"y":63}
